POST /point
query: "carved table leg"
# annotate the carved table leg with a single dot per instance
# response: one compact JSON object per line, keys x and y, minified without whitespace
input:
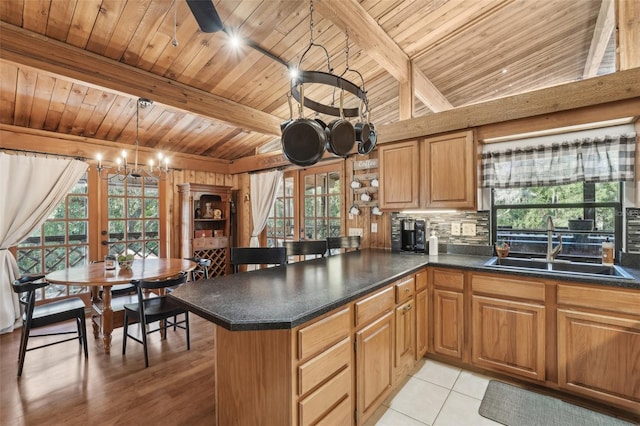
{"x":95,"y":322}
{"x":107,"y":319}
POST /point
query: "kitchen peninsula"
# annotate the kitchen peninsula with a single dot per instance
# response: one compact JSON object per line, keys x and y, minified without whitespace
{"x":312,"y":341}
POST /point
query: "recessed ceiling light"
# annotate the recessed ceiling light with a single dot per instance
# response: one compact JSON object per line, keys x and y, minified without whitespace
{"x":235,"y":41}
{"x":293,"y":73}
{"x":504,"y":70}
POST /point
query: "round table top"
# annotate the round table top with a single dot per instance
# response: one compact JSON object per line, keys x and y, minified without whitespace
{"x":95,"y":275}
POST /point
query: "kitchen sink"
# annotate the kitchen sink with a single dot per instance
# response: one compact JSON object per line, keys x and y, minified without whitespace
{"x":559,"y":266}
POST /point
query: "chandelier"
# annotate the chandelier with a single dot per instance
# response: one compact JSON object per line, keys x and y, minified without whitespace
{"x":124,"y":170}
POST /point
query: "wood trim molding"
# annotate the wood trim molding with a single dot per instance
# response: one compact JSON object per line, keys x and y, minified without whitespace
{"x":48,"y":55}
{"x":585,"y":115}
{"x":618,"y":86}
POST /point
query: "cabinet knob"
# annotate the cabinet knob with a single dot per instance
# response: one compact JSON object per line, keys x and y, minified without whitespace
{"x":406,"y":290}
{"x":408,"y":308}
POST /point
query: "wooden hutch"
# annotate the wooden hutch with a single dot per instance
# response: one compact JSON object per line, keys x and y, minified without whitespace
{"x":205,"y":217}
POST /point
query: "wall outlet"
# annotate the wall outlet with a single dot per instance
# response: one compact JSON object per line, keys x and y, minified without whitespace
{"x":374,"y":228}
{"x":355,"y":232}
{"x":455,"y":228}
{"x":469,"y":229}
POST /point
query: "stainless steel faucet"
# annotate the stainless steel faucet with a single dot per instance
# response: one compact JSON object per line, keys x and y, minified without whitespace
{"x":552,"y":252}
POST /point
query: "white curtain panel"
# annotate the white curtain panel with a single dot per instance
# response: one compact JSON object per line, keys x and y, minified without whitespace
{"x":263,"y":193}
{"x":30,"y":189}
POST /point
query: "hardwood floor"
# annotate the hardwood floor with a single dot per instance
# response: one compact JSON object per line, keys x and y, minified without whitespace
{"x":59,"y":386}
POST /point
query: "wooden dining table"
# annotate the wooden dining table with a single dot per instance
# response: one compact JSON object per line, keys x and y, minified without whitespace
{"x":95,"y":275}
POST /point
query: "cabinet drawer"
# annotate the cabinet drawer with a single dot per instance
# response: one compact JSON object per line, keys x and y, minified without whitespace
{"x":374,"y":306}
{"x":210,"y":243}
{"x":453,"y":280}
{"x":613,"y":300}
{"x":508,"y":287}
{"x":318,"y":369}
{"x":313,"y":407}
{"x":341,"y":415}
{"x":323,"y":334}
{"x":405,"y":289}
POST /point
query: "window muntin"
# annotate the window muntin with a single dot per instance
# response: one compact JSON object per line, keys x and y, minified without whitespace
{"x":322,"y":205}
{"x":133,"y":217}
{"x":520,"y":216}
{"x":62,"y":241}
{"x":281,"y":222}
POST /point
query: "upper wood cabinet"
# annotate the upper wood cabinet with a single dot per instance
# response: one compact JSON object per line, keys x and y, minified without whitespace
{"x":438,"y":172}
{"x":449,"y":172}
{"x":399,"y":183}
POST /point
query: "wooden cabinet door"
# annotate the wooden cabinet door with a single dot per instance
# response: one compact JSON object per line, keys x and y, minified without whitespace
{"x":599,"y":356}
{"x":449,"y":171}
{"x":508,"y":336}
{"x":421,"y":324}
{"x":374,"y":365}
{"x":448,"y":323}
{"x":398,"y":165}
{"x":405,"y":338}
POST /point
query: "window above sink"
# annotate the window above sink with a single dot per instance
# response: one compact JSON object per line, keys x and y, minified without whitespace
{"x":584,"y":214}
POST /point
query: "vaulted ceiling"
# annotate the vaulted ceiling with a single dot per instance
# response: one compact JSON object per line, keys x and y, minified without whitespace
{"x":77,"y":67}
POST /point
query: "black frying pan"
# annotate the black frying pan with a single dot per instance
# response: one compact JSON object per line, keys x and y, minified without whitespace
{"x":303,"y":141}
{"x":341,"y":136}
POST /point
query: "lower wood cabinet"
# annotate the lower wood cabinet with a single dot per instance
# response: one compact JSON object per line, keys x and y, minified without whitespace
{"x":599,"y":343}
{"x":422,"y":306}
{"x":599,"y":356}
{"x":447,"y":310}
{"x":374,"y":364}
{"x":508,"y":336}
{"x":405,"y":339}
{"x":508,"y":325}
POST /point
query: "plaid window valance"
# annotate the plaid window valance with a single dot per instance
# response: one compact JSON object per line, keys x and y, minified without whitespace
{"x":605,"y":159}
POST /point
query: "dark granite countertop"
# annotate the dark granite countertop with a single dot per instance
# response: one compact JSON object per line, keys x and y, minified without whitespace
{"x":287,"y":296}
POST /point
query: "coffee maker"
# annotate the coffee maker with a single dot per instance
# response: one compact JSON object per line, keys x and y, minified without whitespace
{"x":408,"y":234}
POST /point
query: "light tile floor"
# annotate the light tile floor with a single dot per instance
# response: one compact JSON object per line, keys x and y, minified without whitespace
{"x":438,"y":395}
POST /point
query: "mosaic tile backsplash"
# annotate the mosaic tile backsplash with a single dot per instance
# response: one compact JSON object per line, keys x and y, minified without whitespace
{"x":441,"y":222}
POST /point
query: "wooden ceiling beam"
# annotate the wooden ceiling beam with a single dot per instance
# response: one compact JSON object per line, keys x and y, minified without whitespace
{"x":352,"y":18}
{"x":37,"y":51}
{"x":629,"y":33}
{"x":601,"y":35}
{"x":42,"y":141}
{"x":593,"y":91}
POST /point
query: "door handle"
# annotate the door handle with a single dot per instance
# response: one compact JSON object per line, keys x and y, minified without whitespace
{"x":105,"y":243}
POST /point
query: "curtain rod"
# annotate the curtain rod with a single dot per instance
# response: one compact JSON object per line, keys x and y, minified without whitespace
{"x":39,"y":153}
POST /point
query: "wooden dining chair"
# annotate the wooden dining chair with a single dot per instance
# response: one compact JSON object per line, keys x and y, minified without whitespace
{"x":345,"y":243}
{"x":47,"y":314}
{"x":305,"y":248}
{"x":201,"y":271}
{"x":154,"y":309}
{"x":257,"y":256}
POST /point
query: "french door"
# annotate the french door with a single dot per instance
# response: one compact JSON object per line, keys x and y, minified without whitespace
{"x":96,"y":218}
{"x":130,"y":220}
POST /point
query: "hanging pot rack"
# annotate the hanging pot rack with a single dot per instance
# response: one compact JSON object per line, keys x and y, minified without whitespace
{"x":327,"y":78}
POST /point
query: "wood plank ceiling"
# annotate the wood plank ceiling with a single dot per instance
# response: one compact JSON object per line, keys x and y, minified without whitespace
{"x":469,"y":51}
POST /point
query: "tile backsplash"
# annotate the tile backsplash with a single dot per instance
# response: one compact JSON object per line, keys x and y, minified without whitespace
{"x":441,"y":222}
